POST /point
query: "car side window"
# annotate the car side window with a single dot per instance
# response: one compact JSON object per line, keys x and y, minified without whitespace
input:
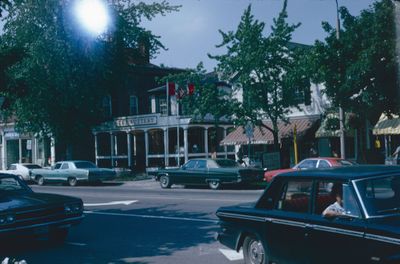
{"x":323,"y":164}
{"x":201,"y":164}
{"x":64,"y":166}
{"x":12,"y":167}
{"x":190,"y":164}
{"x":57,"y":166}
{"x":295,"y":196}
{"x":308,"y":164}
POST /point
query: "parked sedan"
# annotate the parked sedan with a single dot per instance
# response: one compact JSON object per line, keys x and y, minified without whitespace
{"x":26,"y":213}
{"x":311,"y":163}
{"x":288,"y":224}
{"x":211,"y":172}
{"x":22,"y":170}
{"x":72,"y":173}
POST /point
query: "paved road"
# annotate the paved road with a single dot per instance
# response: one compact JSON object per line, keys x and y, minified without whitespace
{"x":138,"y":222}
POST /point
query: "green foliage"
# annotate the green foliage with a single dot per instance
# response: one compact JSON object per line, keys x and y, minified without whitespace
{"x":65,"y":73}
{"x":359,"y":69}
{"x":3,"y":5}
{"x":268,"y":68}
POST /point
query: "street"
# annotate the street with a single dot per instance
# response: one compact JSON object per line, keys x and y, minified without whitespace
{"x":138,"y":222}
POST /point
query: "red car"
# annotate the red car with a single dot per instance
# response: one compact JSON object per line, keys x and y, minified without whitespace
{"x":310,"y":163}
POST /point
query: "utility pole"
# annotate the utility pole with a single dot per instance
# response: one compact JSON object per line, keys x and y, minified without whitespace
{"x":341,"y":113}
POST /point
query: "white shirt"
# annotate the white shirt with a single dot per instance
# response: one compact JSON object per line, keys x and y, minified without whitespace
{"x":334,"y":208}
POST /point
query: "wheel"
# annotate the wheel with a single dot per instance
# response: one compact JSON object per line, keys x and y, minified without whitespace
{"x":254,"y":251}
{"x":165,"y":182}
{"x":72,"y":181}
{"x":58,"y":236}
{"x":215,"y":185}
{"x":40,"y":180}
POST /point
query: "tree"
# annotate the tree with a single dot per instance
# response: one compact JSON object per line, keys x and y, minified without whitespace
{"x":3,"y":5}
{"x":268,"y":69}
{"x":359,"y":69}
{"x":65,"y":73}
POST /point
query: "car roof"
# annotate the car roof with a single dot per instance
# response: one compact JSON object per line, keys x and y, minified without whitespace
{"x":346,"y":172}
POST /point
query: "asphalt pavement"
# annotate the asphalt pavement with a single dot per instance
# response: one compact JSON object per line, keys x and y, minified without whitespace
{"x":138,"y":222}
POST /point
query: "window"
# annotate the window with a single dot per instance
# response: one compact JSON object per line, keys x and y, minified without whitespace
{"x":107,"y":107}
{"x":64,"y":166}
{"x":163,"y":105}
{"x":133,"y":105}
{"x":201,"y":164}
{"x":295,"y":196}
{"x":190,"y":164}
{"x":308,"y":164}
{"x":12,"y":167}
{"x":323,"y":164}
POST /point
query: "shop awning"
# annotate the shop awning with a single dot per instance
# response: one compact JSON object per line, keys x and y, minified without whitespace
{"x":264,"y":136}
{"x":387,"y":126}
{"x":324,"y":132}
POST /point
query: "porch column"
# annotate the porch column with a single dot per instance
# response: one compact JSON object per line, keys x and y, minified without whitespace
{"x":185,"y":143}
{"x":129,"y":149}
{"x":95,"y":148}
{"x":146,"y":146}
{"x":112,"y":149}
{"x":387,"y":154}
{"x":166,"y":144}
{"x":4,"y":152}
{"x":52,"y":151}
{"x":225,"y":147}
{"x":19,"y":150}
{"x":206,"y":141}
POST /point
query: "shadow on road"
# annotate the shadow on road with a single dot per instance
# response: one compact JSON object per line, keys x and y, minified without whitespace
{"x":122,"y":236}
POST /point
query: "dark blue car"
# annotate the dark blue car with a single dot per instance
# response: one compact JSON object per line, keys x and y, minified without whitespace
{"x":288,"y":223}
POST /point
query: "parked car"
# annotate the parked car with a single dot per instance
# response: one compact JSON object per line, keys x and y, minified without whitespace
{"x":22,"y":170}
{"x":72,"y":173}
{"x":211,"y":172}
{"x":311,"y":163}
{"x":287,"y":225}
{"x":26,"y":213}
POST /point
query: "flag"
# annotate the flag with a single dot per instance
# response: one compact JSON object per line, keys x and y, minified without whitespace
{"x":180,"y":93}
{"x":171,"y":88}
{"x":190,"y":88}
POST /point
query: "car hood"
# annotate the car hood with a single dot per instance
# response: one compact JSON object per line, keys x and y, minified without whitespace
{"x":31,"y":200}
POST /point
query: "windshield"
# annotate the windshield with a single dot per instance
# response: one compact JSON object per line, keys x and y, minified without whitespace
{"x":84,"y":165}
{"x":32,"y":166}
{"x":227,"y":163}
{"x":11,"y":184}
{"x":381,"y":196}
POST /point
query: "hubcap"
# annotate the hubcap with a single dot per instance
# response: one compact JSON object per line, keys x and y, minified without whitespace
{"x":256,"y":252}
{"x":164,"y":181}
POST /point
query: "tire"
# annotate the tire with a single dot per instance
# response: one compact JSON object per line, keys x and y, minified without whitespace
{"x":72,"y":181}
{"x":58,"y":236}
{"x":39,"y":180}
{"x":165,"y":182}
{"x":214,"y":185}
{"x":254,"y":251}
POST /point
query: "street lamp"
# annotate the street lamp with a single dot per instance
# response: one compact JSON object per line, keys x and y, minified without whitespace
{"x":341,"y":113}
{"x":93,"y":15}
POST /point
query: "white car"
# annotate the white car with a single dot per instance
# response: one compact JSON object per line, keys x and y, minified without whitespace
{"x":22,"y":170}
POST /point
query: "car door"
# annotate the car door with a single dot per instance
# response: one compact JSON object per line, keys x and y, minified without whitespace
{"x":53,"y":174}
{"x":285,"y":228}
{"x":200,"y":172}
{"x":335,"y":239}
{"x":184,"y":175}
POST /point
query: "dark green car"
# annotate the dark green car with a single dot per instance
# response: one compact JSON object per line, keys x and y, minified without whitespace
{"x":211,"y":172}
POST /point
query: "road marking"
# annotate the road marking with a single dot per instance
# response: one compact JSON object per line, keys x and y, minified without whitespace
{"x":154,"y":217}
{"x":232,"y":255}
{"x":75,"y":244}
{"x":111,"y":203}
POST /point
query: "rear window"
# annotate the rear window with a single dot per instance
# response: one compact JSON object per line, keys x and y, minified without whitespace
{"x":32,"y":166}
{"x":84,"y":165}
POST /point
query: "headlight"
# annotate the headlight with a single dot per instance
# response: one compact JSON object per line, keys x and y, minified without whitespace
{"x":73,"y":208}
{"x":7,"y":219}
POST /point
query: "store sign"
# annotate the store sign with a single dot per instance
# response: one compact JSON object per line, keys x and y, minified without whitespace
{"x":11,"y":135}
{"x":29,"y":144}
{"x":136,"y":121}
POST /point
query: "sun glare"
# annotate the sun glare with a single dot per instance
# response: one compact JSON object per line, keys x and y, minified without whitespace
{"x":93,"y":15}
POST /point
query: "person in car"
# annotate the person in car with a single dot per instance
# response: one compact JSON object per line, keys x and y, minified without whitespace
{"x":336,"y":208}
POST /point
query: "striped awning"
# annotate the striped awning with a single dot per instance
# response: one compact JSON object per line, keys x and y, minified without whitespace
{"x":262,"y":135}
{"x":387,"y":126}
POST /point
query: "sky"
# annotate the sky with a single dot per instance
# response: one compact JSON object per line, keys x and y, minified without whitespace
{"x":192,"y":33}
